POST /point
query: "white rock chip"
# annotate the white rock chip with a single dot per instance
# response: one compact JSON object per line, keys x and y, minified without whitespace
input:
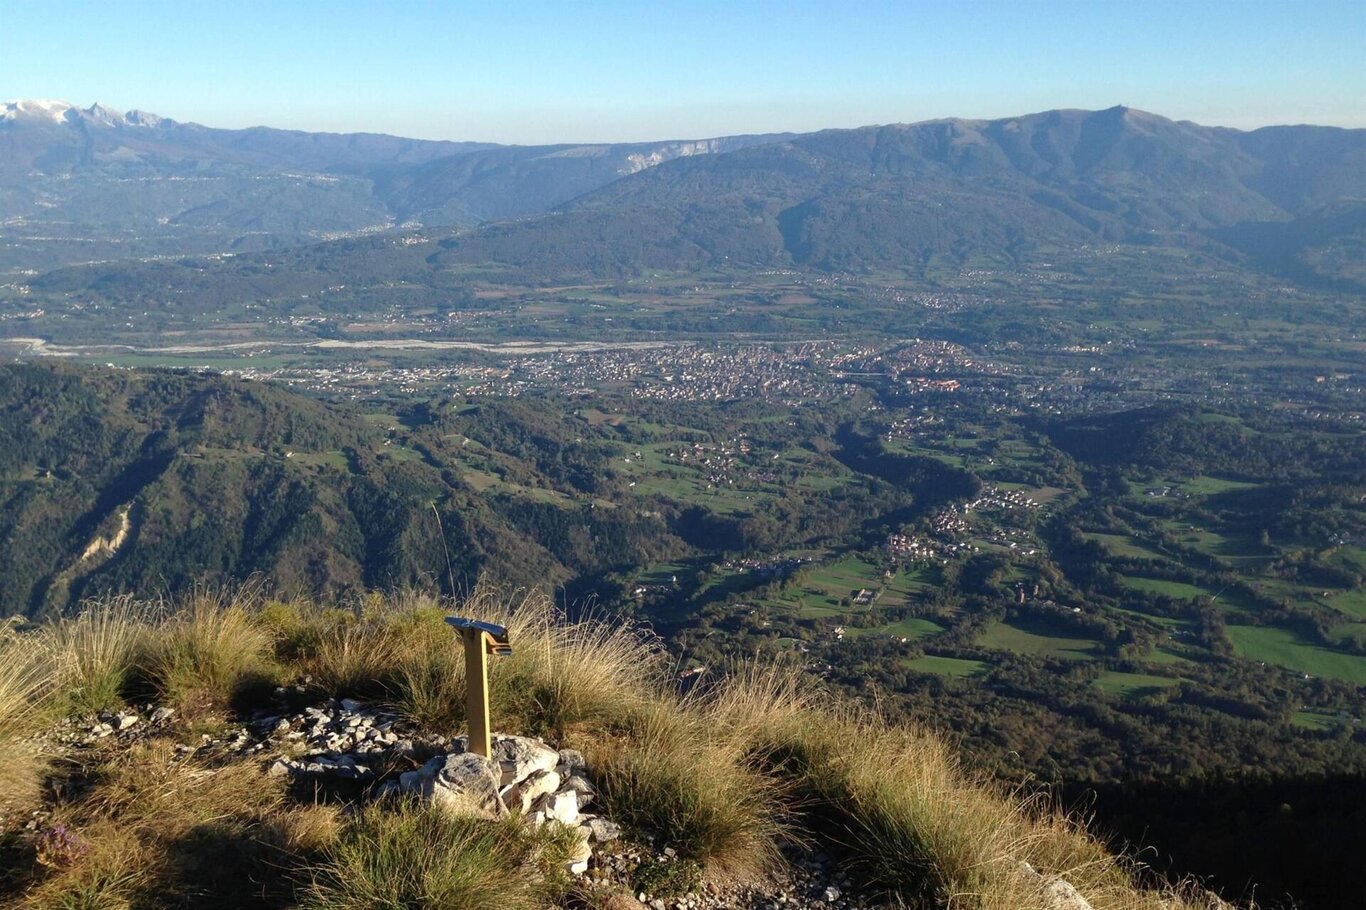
{"x":561,"y":807}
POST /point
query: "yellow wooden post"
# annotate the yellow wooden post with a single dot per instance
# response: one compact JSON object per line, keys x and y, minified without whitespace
{"x":477,"y":690}
{"x":480,"y":640}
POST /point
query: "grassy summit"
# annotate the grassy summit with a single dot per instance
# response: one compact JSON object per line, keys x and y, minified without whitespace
{"x":728,"y":775}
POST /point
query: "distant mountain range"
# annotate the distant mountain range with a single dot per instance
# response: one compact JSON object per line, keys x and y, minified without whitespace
{"x":898,"y":196}
{"x":1292,"y":199}
{"x":81,"y":184}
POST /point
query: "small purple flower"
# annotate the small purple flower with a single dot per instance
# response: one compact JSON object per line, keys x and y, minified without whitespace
{"x":59,"y":846}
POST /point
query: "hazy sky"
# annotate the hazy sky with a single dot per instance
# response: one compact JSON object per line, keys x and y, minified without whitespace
{"x":579,"y":70}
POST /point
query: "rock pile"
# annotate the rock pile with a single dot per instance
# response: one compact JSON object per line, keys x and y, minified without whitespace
{"x":352,"y":742}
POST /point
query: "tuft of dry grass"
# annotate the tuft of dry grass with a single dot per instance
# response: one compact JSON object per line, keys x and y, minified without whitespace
{"x":672,"y":774}
{"x":25,"y":690}
{"x":209,"y":650}
{"x":97,"y":653}
{"x":895,"y":803}
{"x":561,"y":674}
{"x":159,"y":830}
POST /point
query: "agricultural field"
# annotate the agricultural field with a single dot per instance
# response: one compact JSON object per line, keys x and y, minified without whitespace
{"x":910,"y":629}
{"x":1124,"y":545}
{"x":1133,"y":685}
{"x":832,"y":590}
{"x":1285,"y":648}
{"x":1038,"y":638}
{"x":947,"y":666}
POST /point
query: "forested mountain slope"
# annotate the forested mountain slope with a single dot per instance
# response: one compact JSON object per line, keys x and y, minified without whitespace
{"x":898,"y":196}
{"x":115,"y":480}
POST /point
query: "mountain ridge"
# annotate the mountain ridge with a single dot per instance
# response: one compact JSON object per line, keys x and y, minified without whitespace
{"x":896,"y":196}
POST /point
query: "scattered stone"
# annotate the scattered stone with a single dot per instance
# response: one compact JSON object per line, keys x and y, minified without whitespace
{"x":561,"y":807}
{"x":161,"y":715}
{"x":602,"y":830}
{"x":832,"y":894}
{"x":122,"y":722}
{"x":1057,"y":893}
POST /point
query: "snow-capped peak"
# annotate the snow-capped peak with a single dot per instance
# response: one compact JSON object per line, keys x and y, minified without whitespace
{"x":64,"y":112}
{"x":37,"y":109}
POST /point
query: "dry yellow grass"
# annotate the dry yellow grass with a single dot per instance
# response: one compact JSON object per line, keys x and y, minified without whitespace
{"x":25,"y":690}
{"x":159,"y":830}
{"x":727,"y":775}
{"x":668,"y":771}
{"x":896,"y":803}
{"x":97,"y":652}
{"x":209,"y":649}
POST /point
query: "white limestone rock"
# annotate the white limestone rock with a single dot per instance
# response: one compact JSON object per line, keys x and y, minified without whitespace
{"x":520,"y":796}
{"x":467,"y":783}
{"x":520,"y":757}
{"x":1062,"y":896}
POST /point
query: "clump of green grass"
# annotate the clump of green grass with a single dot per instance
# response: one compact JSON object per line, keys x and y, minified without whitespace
{"x":417,"y":856}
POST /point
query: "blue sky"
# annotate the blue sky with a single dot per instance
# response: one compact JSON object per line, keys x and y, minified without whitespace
{"x":580,"y":71}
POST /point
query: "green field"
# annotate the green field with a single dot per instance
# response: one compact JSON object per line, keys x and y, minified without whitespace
{"x":1124,"y":545}
{"x":907,"y":628}
{"x":1313,"y":720}
{"x":1225,"y":598}
{"x":1209,"y":485}
{"x":1286,"y":649}
{"x":1037,"y":638}
{"x":1353,"y":602}
{"x":947,"y":666}
{"x":1176,"y":589}
{"x":1132,"y":685}
{"x":1167,"y":656}
{"x":1169,"y":622}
